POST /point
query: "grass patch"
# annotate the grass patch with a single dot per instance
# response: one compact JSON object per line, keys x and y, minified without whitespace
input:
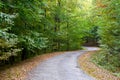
{"x":111,"y":62}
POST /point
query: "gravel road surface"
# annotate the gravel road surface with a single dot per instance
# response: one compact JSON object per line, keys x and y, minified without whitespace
{"x":62,"y":67}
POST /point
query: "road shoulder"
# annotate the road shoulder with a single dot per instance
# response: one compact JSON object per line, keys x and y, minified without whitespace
{"x":20,"y":70}
{"x":93,"y":70}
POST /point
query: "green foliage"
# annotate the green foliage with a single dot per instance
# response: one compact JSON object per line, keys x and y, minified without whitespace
{"x":108,"y":20}
{"x":33,"y":41}
{"x":8,"y":45}
{"x":8,"y":41}
{"x":107,"y":17}
{"x":106,"y":61}
{"x":35,"y":26}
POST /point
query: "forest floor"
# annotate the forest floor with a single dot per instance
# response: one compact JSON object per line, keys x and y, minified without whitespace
{"x":90,"y":68}
{"x":20,"y":70}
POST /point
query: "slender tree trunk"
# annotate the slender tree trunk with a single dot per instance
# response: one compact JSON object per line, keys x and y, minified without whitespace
{"x":57,"y":26}
{"x":45,"y":14}
{"x":67,"y":37}
{"x":45,"y":21}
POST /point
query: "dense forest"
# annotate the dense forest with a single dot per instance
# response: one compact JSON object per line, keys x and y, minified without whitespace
{"x":32,"y":27}
{"x":108,"y":20}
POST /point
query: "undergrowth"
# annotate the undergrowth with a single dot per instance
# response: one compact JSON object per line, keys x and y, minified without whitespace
{"x":110,"y":62}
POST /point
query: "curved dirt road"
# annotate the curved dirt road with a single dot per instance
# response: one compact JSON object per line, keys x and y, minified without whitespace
{"x":62,"y":67}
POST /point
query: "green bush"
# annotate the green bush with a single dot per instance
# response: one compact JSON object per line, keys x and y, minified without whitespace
{"x":8,"y":45}
{"x":106,"y":61}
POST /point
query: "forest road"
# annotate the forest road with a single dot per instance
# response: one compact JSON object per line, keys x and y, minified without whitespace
{"x":62,"y":67}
